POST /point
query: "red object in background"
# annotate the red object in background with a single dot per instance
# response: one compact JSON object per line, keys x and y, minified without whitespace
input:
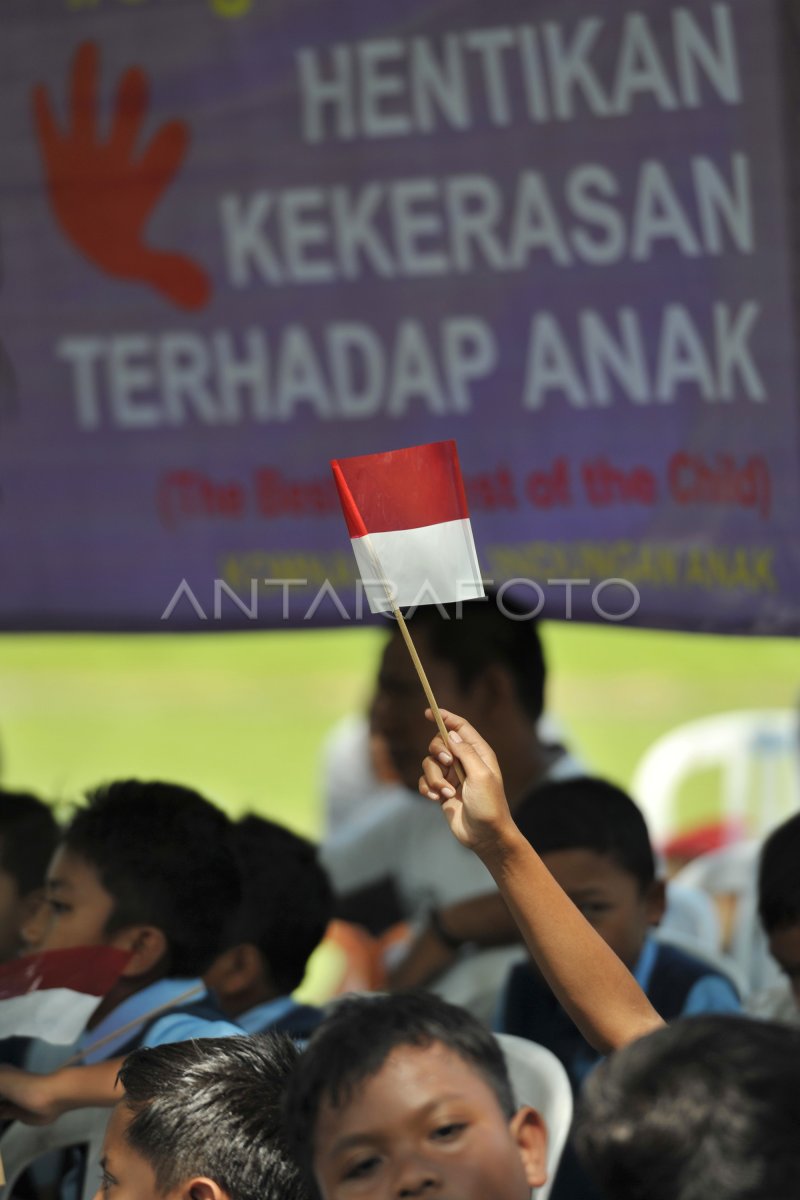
{"x":684,"y":847}
{"x":102,"y":193}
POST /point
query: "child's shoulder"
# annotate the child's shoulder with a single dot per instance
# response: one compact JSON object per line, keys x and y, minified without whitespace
{"x":684,"y":982}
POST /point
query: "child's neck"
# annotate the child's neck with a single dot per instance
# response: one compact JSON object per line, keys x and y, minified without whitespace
{"x":122,"y":990}
{"x":260,"y":992}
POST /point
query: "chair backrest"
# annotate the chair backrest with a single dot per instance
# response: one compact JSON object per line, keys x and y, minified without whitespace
{"x":21,"y":1145}
{"x":539,"y":1079}
{"x":733,"y":872}
{"x":475,"y":980}
{"x":757,"y":754}
{"x":690,"y":913}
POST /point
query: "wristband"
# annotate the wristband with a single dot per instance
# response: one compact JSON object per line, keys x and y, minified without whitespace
{"x":448,"y":939}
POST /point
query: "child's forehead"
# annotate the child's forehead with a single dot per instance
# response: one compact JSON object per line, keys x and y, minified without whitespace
{"x":430,"y":1068}
{"x":446,"y":1056}
{"x":585,"y":863}
{"x":71,"y":867}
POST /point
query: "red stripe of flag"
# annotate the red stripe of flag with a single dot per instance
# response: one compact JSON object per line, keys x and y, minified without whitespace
{"x":92,"y":970}
{"x":401,"y":489}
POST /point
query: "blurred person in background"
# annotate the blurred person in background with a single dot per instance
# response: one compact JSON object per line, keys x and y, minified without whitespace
{"x":286,"y":905}
{"x":28,"y":836}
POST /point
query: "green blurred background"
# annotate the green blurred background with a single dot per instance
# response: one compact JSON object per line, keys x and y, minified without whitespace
{"x":242,"y":716}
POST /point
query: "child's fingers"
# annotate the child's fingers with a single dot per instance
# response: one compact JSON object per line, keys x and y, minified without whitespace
{"x":433,"y":782}
{"x":475,"y":765}
{"x":438,"y":750}
{"x":460,"y":730}
{"x":465,"y":744}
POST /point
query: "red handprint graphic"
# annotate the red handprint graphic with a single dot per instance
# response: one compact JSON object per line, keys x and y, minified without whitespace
{"x":101,"y":194}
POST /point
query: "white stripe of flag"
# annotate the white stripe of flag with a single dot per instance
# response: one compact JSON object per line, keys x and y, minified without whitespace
{"x":406,"y":513}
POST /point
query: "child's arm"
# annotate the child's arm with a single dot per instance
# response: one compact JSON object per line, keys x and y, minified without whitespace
{"x":39,"y":1099}
{"x":589,"y":981}
{"x":482,"y":920}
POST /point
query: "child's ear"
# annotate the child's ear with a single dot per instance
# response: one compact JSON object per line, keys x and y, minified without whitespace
{"x":147,"y":944}
{"x":529,"y":1132}
{"x":235,"y":970}
{"x":656,"y":901}
{"x":200,"y":1188}
{"x":492,"y":689}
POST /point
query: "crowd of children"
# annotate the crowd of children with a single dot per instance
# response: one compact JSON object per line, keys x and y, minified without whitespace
{"x":222,"y":1086}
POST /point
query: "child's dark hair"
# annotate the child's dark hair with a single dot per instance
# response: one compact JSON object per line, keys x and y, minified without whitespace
{"x":162,"y":852}
{"x":486,"y":633}
{"x":212,"y":1107}
{"x":588,"y":814}
{"x":287,"y":900}
{"x":779,"y":877}
{"x":708,"y":1106}
{"x":28,"y":836}
{"x":358,"y":1036}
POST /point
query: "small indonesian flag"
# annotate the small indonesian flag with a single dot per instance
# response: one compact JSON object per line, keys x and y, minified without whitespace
{"x":406,"y":513}
{"x":52,"y":995}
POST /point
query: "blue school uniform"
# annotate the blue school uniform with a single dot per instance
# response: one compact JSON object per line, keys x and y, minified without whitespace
{"x":676,"y":983}
{"x":284,"y":1014}
{"x":196,"y":1017}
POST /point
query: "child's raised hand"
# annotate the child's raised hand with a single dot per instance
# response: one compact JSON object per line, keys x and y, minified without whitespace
{"x":477,"y":810}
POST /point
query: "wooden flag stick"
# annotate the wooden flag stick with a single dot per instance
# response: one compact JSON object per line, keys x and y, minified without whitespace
{"x":423,"y":678}
{"x":412,"y":650}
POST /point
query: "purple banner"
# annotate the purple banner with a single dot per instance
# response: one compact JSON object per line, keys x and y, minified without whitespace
{"x":239,"y":239}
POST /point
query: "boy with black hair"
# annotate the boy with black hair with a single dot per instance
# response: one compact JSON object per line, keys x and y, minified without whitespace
{"x":285,"y":909}
{"x":28,"y":837}
{"x":779,"y":910}
{"x":408,"y":1095}
{"x":201,"y":1120}
{"x":145,"y":867}
{"x":593,"y":839}
{"x":708,"y":1107}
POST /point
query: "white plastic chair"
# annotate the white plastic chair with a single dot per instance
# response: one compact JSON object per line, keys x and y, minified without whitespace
{"x":539,"y":1079}
{"x":733,"y":871}
{"x":759,"y":760}
{"x":475,"y":981}
{"x":21,"y":1145}
{"x":690,"y":913}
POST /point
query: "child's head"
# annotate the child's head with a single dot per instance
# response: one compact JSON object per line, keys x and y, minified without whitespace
{"x":404,"y":1095}
{"x":779,"y":898}
{"x":286,"y":905}
{"x":201,"y":1120}
{"x":147,"y":867}
{"x":708,"y":1106}
{"x":28,"y":836}
{"x":594,"y":841}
